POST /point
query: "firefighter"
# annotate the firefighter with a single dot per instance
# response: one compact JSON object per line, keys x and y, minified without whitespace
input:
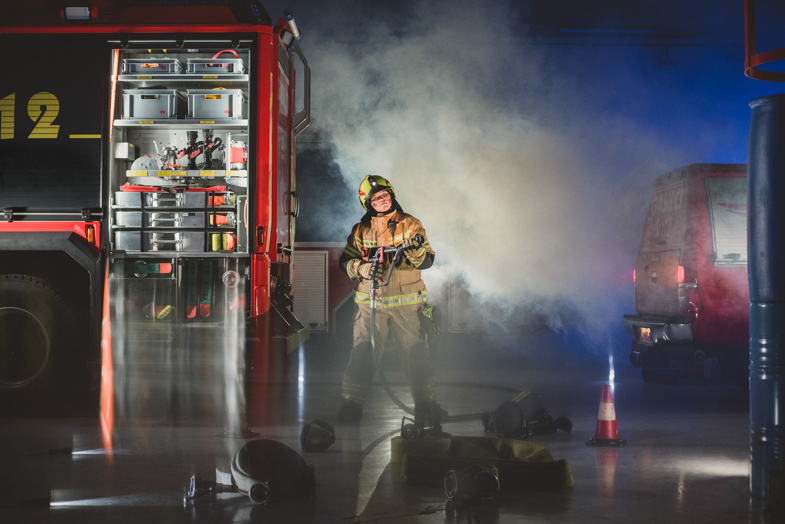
{"x":398,"y":303}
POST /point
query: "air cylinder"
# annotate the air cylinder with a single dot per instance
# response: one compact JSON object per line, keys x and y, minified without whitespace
{"x":766,"y":256}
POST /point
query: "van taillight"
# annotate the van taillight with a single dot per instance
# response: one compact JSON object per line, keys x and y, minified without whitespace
{"x":690,"y":298}
{"x":689,"y":294}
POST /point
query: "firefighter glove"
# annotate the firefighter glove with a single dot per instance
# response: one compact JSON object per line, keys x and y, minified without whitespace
{"x":364,"y":269}
{"x":414,"y":251}
{"x":370,"y":270}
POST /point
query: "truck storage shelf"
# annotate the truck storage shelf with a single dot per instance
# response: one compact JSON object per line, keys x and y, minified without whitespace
{"x":176,"y":229}
{"x":134,"y":255}
{"x":171,"y":239}
{"x":239,"y":80}
{"x":178,"y":254}
{"x":175,"y":209}
{"x":196,"y":173}
{"x":171,"y":123}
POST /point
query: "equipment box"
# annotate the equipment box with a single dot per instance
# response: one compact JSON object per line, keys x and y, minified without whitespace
{"x":152,"y":103}
{"x":193,"y":242}
{"x":215,"y":66}
{"x":152,"y":66}
{"x":168,"y":219}
{"x":217,"y":103}
{"x":159,"y":241}
{"x":197,"y":199}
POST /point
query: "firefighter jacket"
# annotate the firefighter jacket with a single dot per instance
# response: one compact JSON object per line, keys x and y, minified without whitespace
{"x":405,"y":287}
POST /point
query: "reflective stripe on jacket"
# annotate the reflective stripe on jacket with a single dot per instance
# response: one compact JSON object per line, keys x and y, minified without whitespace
{"x":405,"y":287}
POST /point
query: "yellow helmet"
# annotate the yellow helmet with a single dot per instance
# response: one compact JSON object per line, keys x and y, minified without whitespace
{"x":371,"y":185}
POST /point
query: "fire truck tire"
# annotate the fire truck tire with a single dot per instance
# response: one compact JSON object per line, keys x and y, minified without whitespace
{"x":35,"y":332}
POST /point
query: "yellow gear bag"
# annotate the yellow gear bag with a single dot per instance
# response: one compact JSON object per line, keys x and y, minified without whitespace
{"x":520,"y":464}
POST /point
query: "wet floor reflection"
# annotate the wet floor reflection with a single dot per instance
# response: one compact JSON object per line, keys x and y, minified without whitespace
{"x":173,"y":365}
{"x":685,"y":461}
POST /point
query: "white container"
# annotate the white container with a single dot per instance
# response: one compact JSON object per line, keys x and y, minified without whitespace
{"x":152,"y":66}
{"x":216,"y":104}
{"x":216,"y":66}
{"x":152,"y":104}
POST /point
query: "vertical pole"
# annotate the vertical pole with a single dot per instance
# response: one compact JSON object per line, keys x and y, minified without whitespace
{"x":749,"y":33}
{"x":766,"y":255}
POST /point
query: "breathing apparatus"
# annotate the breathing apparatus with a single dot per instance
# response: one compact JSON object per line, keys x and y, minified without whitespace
{"x":522,"y":417}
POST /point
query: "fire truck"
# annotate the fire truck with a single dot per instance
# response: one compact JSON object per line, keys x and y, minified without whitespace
{"x":153,"y":147}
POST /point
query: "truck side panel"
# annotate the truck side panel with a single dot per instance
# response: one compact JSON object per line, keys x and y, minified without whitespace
{"x":51,"y":115}
{"x":51,"y":143}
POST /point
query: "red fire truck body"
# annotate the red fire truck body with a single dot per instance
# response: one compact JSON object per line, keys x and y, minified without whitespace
{"x":151,"y":147}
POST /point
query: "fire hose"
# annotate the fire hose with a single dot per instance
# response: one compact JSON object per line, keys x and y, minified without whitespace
{"x":378,"y":256}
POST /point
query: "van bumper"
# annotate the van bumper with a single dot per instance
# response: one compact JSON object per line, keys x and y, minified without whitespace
{"x":658,"y":340}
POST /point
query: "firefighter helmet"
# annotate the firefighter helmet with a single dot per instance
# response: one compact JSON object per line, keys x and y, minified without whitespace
{"x":371,"y":185}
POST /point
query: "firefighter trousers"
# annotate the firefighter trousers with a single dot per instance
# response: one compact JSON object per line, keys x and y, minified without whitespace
{"x":404,"y":323}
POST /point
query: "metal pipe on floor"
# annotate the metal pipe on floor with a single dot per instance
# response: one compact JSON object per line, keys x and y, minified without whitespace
{"x":766,"y":270}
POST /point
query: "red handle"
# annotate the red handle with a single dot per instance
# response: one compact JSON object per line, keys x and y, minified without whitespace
{"x":227,"y":51}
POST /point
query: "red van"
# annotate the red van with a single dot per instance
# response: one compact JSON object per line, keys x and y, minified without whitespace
{"x":691,"y":289}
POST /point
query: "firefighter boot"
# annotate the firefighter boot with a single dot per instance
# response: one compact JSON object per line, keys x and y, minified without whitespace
{"x":428,"y":414}
{"x":350,"y":411}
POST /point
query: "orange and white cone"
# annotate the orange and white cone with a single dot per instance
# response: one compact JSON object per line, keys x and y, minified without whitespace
{"x":606,"y":434}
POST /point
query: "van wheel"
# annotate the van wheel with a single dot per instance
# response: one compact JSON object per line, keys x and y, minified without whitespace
{"x":35,"y":330}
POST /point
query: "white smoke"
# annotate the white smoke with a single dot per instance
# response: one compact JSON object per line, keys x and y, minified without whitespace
{"x":530,"y":179}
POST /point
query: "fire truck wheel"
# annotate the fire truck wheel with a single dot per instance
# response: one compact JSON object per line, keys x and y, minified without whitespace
{"x":34,"y":329}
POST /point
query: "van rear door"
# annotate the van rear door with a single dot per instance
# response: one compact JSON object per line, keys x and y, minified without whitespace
{"x":657,"y":267}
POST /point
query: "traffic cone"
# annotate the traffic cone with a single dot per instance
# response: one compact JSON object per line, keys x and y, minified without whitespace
{"x":606,"y":434}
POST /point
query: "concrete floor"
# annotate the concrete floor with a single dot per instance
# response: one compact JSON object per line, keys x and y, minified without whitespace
{"x":686,"y":458}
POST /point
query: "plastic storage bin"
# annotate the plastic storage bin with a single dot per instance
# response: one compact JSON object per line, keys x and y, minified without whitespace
{"x":217,"y":103}
{"x":152,"y":103}
{"x":216,"y":66}
{"x":151,"y":66}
